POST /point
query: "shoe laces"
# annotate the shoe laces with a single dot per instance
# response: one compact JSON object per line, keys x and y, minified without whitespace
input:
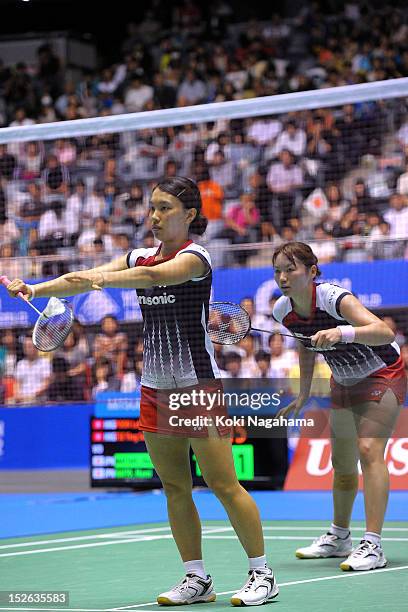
{"x":326,"y":538}
{"x":364,"y":547}
{"x":254,"y":580}
{"x":183,"y":586}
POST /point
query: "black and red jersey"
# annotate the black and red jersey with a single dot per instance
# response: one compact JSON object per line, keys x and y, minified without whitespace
{"x":177,"y":350}
{"x":349,"y":363}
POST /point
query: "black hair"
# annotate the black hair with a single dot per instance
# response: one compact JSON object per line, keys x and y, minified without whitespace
{"x":187,"y":191}
{"x":302,"y":251}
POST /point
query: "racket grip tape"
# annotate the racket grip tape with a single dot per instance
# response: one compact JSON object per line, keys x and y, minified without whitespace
{"x":4,"y":280}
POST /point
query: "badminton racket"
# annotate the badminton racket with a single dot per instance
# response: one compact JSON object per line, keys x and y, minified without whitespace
{"x":228,"y":323}
{"x":53,"y":324}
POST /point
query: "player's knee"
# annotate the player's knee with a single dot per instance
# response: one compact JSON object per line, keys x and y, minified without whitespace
{"x":223,"y":489}
{"x":175,"y":489}
{"x":370,"y":451}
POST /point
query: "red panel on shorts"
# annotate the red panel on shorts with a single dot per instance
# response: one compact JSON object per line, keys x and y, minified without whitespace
{"x":372,"y":388}
{"x":155,"y":413}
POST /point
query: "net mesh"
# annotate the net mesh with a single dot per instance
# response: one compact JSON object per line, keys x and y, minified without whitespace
{"x":228,"y":323}
{"x":325,"y":167}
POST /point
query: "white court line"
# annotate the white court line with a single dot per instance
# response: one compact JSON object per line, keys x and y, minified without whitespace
{"x":282,"y":584}
{"x":318,"y":528}
{"x":62,"y":609}
{"x":142,"y":538}
{"x":206,"y":529}
{"x":209,"y":535}
{"x":112,"y":534}
{"x":233,"y":537}
{"x":79,"y":546}
{"x":66,"y":609}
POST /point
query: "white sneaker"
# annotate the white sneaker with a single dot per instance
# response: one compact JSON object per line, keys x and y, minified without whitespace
{"x":366,"y":556}
{"x":259,"y":588}
{"x":192,"y":589}
{"x":328,"y":545}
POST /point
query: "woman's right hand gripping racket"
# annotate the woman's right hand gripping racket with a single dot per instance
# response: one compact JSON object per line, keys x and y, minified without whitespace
{"x":53,"y":324}
{"x":228,"y":323}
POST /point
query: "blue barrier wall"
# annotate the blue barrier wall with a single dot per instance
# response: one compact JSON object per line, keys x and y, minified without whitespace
{"x":43,"y":437}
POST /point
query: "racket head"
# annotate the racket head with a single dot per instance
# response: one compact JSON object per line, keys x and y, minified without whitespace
{"x":228,"y":323}
{"x":53,"y":326}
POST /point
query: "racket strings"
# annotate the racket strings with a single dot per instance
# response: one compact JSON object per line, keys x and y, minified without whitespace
{"x":53,"y":326}
{"x":227,"y":323}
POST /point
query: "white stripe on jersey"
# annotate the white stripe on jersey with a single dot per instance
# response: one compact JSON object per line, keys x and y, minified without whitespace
{"x":169,"y":349}
{"x":161,"y":351}
{"x":153,"y":336}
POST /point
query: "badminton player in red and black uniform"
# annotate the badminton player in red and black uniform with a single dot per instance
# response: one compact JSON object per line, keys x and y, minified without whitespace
{"x":173,"y":284}
{"x":368,"y":386}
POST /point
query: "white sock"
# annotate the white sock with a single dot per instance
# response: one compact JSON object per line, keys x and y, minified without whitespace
{"x":340,"y":532}
{"x":195,"y":567}
{"x":257,"y":562}
{"x":372,"y":537}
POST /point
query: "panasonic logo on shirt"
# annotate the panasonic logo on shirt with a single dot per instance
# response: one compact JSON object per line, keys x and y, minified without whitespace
{"x":157,"y":299}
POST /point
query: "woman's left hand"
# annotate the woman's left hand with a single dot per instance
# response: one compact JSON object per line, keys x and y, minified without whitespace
{"x":87,"y":279}
{"x":326,"y":338}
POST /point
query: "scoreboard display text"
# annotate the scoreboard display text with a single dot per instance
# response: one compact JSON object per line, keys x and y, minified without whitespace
{"x":119,"y":458}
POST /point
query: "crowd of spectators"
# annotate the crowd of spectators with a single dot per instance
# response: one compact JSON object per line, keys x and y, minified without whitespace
{"x":334,"y":177}
{"x":311,"y":175}
{"x":108,"y":359}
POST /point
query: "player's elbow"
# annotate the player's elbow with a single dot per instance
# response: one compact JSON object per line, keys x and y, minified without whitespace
{"x":150,"y":277}
{"x":389,"y":334}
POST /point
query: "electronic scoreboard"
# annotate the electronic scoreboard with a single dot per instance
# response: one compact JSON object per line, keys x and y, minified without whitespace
{"x":119,"y":457}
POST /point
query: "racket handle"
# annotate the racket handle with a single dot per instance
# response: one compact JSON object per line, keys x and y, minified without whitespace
{"x":4,"y":280}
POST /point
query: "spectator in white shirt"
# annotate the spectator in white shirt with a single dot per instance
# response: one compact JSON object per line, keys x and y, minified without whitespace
{"x":324,"y":247}
{"x":52,"y":221}
{"x":284,"y":176}
{"x":94,"y":206}
{"x":99,"y":231}
{"x":397,"y":216}
{"x":75,"y":205}
{"x":292,"y":139}
{"x":263,"y":131}
{"x":32,"y":375}
{"x":237,"y":75}
{"x":282,"y":359}
{"x":20,"y":118}
{"x":402,"y":183}
{"x":137,"y":95}
{"x":283,"y":179}
{"x":402,"y":135}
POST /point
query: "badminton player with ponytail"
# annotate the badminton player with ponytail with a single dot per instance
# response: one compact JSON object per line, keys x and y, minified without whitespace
{"x":173,"y":283}
{"x":368,"y":387}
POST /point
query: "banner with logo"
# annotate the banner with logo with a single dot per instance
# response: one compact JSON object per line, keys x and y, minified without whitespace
{"x":376,"y":284}
{"x":311,"y":467}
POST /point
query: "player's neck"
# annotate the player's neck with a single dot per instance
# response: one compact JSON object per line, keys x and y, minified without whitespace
{"x":303,"y":303}
{"x":171,"y":246}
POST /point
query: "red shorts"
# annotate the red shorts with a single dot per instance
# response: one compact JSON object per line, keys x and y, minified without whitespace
{"x":185,"y":412}
{"x":372,"y":388}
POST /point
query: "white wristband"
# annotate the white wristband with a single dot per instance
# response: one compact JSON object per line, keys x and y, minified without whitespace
{"x":348,"y":333}
{"x":31,"y":287}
